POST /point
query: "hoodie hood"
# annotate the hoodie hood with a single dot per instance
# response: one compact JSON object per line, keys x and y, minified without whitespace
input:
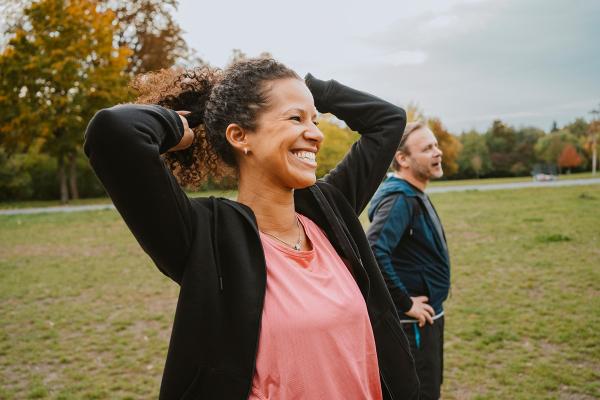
{"x":391,"y":186}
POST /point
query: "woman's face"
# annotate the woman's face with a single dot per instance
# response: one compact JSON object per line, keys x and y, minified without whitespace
{"x":283,"y":148}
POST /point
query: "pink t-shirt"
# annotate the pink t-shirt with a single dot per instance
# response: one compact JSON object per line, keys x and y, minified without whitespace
{"x":316,"y":341}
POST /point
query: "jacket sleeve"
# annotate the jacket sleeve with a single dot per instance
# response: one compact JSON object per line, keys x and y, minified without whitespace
{"x":380,"y":125}
{"x":123,"y":144}
{"x":390,"y":221}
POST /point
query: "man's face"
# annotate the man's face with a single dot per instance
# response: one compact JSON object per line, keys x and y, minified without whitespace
{"x":425,"y":159}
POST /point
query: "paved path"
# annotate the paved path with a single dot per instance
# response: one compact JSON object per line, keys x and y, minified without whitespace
{"x":514,"y":185}
{"x":439,"y":189}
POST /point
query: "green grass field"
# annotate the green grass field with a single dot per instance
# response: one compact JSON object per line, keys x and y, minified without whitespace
{"x":85,"y":315}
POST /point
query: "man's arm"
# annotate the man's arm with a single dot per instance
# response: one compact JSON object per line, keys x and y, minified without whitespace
{"x":390,"y":221}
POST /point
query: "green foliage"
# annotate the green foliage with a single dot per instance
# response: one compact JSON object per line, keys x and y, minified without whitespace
{"x":336,"y":144}
{"x":15,"y":181}
{"x":474,"y":158}
{"x":27,"y":176}
{"x":501,"y":139}
{"x":59,"y":68}
{"x":579,"y":127}
{"x":549,"y":147}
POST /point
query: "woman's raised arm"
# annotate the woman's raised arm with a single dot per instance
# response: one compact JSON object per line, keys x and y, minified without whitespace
{"x":380,"y":125}
{"x":123,"y":144}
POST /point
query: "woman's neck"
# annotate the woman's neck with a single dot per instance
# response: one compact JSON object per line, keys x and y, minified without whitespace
{"x":273,"y":207}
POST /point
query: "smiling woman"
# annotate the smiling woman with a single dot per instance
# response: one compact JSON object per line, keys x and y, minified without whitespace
{"x":280,"y":294}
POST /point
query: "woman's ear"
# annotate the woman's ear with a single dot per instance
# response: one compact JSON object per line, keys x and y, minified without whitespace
{"x":237,"y":138}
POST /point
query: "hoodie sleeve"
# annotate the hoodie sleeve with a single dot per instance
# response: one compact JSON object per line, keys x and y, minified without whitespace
{"x":124,"y":144}
{"x":380,"y":125}
{"x":390,"y":221}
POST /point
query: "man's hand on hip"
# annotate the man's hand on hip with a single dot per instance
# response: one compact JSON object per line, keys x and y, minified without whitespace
{"x":421,"y":311}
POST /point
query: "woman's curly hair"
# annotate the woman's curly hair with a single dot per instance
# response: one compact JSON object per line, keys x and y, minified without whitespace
{"x":215,"y":99}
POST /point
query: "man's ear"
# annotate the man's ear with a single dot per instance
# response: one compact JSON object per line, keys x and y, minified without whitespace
{"x":401,"y":159}
{"x":237,"y":138}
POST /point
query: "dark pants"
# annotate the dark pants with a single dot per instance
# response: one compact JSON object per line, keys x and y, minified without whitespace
{"x":429,"y":356}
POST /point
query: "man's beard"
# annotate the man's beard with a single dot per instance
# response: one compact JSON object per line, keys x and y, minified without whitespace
{"x":424,"y":173}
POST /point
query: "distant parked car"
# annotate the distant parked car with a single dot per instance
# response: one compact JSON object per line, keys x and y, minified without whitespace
{"x":544,"y":172}
{"x":544,"y":177}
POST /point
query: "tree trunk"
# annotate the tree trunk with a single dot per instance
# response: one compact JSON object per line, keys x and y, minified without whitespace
{"x":73,"y":176}
{"x":62,"y":180}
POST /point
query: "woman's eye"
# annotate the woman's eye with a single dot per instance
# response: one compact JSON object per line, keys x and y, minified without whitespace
{"x":296,"y":118}
{"x":316,"y":123}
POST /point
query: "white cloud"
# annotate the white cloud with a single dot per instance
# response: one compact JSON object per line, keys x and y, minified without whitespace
{"x":406,"y":57}
{"x":466,"y":61}
{"x":440,"y":22}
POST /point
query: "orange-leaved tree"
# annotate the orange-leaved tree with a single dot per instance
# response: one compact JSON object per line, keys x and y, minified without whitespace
{"x":449,"y":145}
{"x":569,"y":158}
{"x":60,"y":66}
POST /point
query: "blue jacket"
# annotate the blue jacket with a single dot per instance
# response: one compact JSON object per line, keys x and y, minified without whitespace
{"x":411,"y":253}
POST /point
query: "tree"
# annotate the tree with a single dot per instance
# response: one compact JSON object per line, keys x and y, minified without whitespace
{"x":414,"y":112}
{"x":449,"y":145}
{"x":59,"y":67}
{"x":144,"y":26}
{"x":569,"y":158}
{"x":148,"y":29}
{"x":335,"y":145}
{"x":579,"y":127}
{"x":550,"y":147}
{"x":474,"y":158}
{"x":523,"y":155}
{"x":501,"y":140}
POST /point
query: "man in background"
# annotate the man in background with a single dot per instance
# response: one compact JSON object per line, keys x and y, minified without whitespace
{"x":408,"y":240}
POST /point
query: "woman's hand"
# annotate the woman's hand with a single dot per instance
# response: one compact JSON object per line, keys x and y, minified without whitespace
{"x":188,"y":134}
{"x":421,"y":311}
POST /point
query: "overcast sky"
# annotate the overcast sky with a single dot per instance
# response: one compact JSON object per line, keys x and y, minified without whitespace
{"x":527,"y":62}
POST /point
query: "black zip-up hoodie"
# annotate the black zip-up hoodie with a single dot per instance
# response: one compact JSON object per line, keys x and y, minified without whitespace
{"x":211,"y":246}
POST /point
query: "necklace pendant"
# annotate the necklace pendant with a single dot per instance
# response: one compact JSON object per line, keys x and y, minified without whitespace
{"x":297,"y":247}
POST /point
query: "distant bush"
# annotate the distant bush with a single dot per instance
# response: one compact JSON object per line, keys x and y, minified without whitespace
{"x":33,"y":176}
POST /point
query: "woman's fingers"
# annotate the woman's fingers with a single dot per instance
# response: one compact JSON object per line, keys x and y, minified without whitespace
{"x":188,"y":134}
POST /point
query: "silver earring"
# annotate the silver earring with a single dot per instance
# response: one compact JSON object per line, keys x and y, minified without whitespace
{"x":246,"y":151}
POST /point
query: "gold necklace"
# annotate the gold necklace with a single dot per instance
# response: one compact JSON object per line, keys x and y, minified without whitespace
{"x":296,"y":246}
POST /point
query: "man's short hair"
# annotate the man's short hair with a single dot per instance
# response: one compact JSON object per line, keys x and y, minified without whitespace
{"x":402,"y":147}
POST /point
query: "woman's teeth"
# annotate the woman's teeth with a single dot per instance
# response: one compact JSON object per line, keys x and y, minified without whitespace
{"x":306,"y":155}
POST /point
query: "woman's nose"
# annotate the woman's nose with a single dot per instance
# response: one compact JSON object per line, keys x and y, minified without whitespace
{"x":314,"y":133}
